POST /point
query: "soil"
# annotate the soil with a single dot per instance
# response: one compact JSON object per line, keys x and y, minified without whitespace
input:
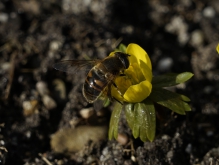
{"x":44,"y":118}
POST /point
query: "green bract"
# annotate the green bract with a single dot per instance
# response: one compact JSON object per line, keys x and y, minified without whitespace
{"x":140,"y":92}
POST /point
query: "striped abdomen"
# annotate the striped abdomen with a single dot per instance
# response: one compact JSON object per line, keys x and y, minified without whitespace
{"x":94,"y":84}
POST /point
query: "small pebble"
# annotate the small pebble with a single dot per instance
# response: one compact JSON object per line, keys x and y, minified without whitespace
{"x":29,"y":107}
{"x":210,"y":133}
{"x":128,"y":29}
{"x":70,"y":140}
{"x":55,"y":45}
{"x":2,"y":142}
{"x":86,"y":112}
{"x":42,"y":88}
{"x":60,"y":88}
{"x":165,"y":137}
{"x":5,"y":66}
{"x":122,"y":139}
{"x":170,"y":155}
{"x":3,"y":17}
{"x":133,"y":158}
{"x":197,"y":38}
{"x":165,"y":64}
{"x":178,"y":26}
{"x":189,"y":148}
{"x":49,"y":102}
{"x":209,"y":12}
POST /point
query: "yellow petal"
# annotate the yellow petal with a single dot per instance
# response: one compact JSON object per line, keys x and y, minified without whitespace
{"x":112,"y":53}
{"x":137,"y":54}
{"x":217,"y":48}
{"x":122,"y":83}
{"x":139,"y":92}
{"x":146,"y":71}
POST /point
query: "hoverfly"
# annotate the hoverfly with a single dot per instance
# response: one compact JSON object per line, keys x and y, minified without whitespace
{"x":101,"y":76}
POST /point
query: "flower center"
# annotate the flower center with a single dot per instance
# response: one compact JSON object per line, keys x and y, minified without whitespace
{"x":135,"y":74}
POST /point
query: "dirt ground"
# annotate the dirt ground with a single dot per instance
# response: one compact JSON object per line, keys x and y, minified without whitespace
{"x":44,"y":118}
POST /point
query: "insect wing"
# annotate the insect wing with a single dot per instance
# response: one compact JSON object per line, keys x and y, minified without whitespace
{"x":73,"y":66}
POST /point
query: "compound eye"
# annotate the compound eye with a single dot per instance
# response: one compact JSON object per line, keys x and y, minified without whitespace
{"x":123,"y":58}
{"x":126,"y":63}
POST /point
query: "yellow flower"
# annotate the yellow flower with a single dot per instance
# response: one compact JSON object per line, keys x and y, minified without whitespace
{"x":136,"y":85}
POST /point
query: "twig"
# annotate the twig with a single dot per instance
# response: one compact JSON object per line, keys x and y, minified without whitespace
{"x":117,"y":42}
{"x":3,"y":148}
{"x":11,"y":75}
{"x":45,"y":159}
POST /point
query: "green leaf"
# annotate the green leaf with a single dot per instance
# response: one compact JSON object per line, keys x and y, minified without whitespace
{"x":150,"y":119}
{"x":129,"y":114}
{"x":184,"y":98}
{"x":143,"y":120}
{"x":106,"y":102}
{"x":114,"y":121}
{"x":170,"y":79}
{"x":138,"y":119}
{"x":171,"y":100}
{"x":122,"y":48}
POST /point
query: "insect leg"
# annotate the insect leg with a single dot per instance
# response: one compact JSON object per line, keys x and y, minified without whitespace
{"x":114,"y":84}
{"x":117,"y":100}
{"x":109,"y":93}
{"x":110,"y":96}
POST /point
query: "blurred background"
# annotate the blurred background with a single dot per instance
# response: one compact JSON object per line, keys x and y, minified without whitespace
{"x":44,"y":118}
